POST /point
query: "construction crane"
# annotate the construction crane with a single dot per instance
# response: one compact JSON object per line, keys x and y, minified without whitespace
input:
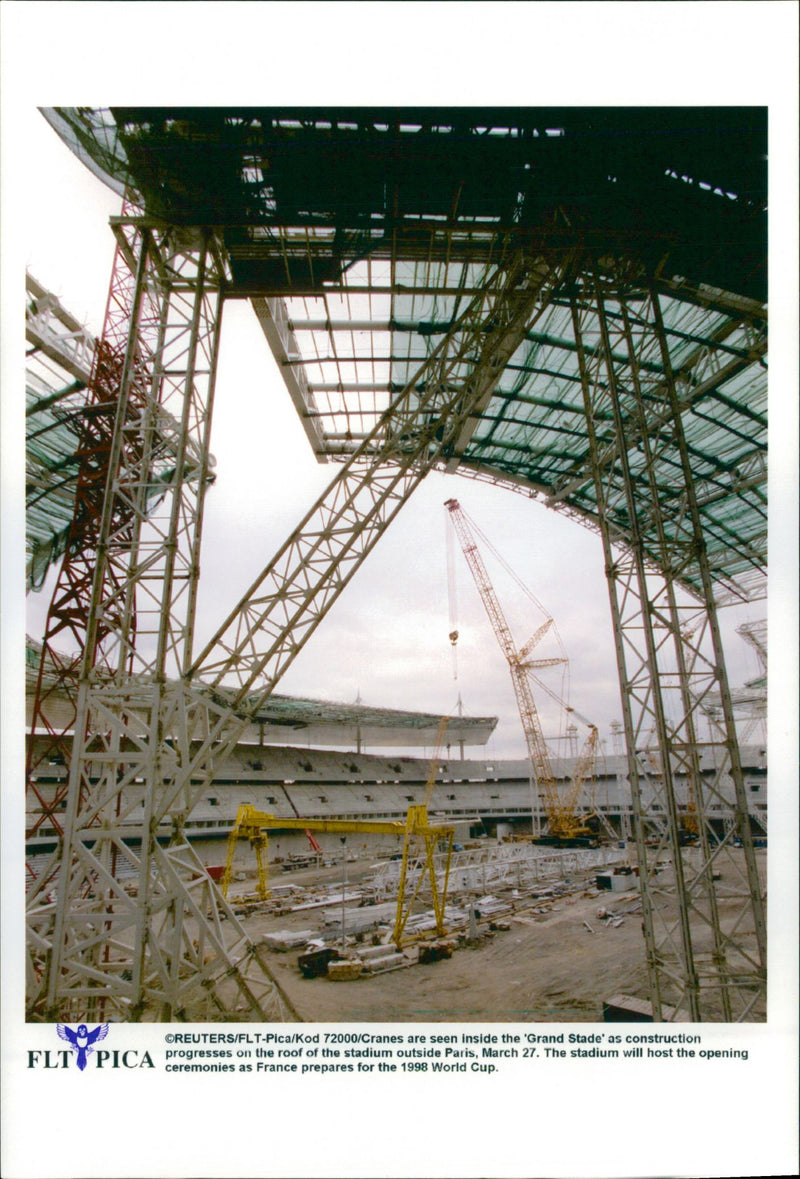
{"x":433,"y":768}
{"x":563,"y":825}
{"x":417,"y":832}
{"x":584,"y":771}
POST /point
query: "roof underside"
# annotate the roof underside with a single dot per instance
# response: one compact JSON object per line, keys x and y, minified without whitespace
{"x":288,"y":719}
{"x":360,"y":236}
{"x":294,"y":720}
{"x":57,"y":369}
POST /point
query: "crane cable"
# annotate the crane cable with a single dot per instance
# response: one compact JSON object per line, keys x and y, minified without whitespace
{"x":452,"y":593}
{"x":560,"y":698}
{"x":516,"y":578}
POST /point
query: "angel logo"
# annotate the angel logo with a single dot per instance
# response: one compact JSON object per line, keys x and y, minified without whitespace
{"x":82,"y":1041}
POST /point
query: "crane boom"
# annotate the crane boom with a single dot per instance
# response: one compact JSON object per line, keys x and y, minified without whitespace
{"x":531,"y":725}
{"x":584,"y":769}
{"x":433,"y":768}
{"x":560,"y":811}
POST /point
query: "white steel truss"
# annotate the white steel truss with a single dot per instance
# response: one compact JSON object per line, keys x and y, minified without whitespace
{"x":501,"y":865}
{"x":171,"y":948}
{"x":703,"y":898}
{"x":168,"y":947}
{"x":50,"y":329}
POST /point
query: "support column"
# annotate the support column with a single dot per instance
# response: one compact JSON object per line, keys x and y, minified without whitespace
{"x":128,"y":914}
{"x":146,"y":744}
{"x":702,"y":897}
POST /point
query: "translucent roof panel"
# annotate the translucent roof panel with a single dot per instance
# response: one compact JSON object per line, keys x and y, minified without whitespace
{"x":58,"y":366}
{"x":532,"y":434}
{"x":361,"y":235}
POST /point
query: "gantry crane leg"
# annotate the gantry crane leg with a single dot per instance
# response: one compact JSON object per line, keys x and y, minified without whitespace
{"x":253,"y":825}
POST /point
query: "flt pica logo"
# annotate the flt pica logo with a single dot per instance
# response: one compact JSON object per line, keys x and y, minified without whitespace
{"x":82,"y":1049}
{"x":82,"y":1040}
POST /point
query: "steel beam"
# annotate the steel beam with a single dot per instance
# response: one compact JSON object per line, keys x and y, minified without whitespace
{"x":703,"y":905}
{"x":146,"y":747}
{"x":50,"y":328}
{"x":174,"y":949}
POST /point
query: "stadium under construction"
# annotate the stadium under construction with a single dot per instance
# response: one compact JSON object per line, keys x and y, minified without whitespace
{"x":570,"y":303}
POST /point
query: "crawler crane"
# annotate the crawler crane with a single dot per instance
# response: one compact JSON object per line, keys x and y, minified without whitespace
{"x":564,"y":829}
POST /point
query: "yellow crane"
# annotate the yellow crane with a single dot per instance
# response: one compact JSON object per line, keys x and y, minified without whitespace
{"x":560,"y":808}
{"x":421,"y":841}
{"x":433,"y":768}
{"x":584,"y":771}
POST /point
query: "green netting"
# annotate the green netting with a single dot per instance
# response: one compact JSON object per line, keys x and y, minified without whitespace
{"x":51,"y":471}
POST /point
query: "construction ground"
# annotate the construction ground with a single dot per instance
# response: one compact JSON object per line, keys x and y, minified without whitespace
{"x":552,"y":953}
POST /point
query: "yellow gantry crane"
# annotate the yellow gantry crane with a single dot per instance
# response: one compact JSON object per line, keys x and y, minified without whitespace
{"x":421,"y":842}
{"x":560,"y":808}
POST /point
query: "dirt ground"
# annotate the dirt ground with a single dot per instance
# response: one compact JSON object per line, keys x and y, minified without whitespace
{"x":558,"y":965}
{"x":545,"y":967}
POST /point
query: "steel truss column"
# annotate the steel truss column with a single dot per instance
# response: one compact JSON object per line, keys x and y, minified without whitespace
{"x":122,"y":359}
{"x":152,"y":745}
{"x":703,"y":905}
{"x":129,"y":915}
{"x":55,"y":698}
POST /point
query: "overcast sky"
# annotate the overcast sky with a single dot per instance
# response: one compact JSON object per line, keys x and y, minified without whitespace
{"x":387,"y":637}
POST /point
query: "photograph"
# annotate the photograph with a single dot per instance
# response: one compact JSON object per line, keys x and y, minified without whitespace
{"x":299,"y":812}
{"x":460,"y":291}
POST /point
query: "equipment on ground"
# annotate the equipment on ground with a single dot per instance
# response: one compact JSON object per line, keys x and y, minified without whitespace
{"x":421,"y":841}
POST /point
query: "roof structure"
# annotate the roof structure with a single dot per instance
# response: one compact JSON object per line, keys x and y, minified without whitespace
{"x":58,"y":367}
{"x":750,"y":699}
{"x":569,"y":302}
{"x":293,"y":720}
{"x":361,"y":234}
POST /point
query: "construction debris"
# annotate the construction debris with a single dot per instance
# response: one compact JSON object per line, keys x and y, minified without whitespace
{"x":390,"y":961}
{"x":435,"y":951}
{"x":343,"y":971}
{"x":288,"y":939}
{"x":315,"y":964}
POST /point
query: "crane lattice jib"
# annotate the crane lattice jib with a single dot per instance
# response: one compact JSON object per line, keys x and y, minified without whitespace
{"x":433,"y":768}
{"x":531,"y":725}
{"x":584,"y":770}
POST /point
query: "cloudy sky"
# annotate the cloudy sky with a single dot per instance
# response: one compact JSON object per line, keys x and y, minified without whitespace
{"x":387,"y":637}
